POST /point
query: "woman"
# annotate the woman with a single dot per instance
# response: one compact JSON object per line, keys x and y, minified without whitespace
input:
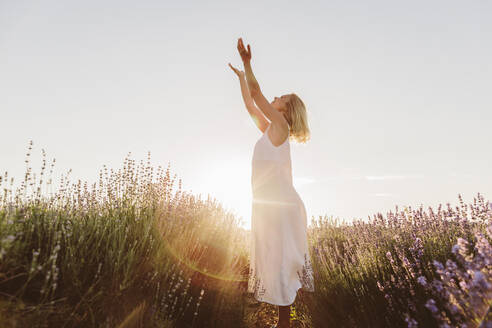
{"x":279,"y":259}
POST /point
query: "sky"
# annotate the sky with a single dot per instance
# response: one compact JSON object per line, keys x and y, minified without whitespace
{"x":398,"y":95}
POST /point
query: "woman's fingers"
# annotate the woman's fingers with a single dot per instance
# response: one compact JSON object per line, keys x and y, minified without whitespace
{"x":234,"y":69}
{"x":242,"y":51}
{"x":240,"y":44}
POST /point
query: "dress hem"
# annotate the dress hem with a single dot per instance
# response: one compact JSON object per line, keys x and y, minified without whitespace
{"x":272,"y":303}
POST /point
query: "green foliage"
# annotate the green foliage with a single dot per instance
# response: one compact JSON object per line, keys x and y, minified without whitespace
{"x":88,"y":257}
{"x":129,"y":250}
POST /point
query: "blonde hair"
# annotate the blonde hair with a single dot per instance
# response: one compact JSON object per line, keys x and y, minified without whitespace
{"x":296,"y":116}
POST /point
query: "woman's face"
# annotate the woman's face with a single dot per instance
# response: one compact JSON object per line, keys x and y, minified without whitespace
{"x":280,"y":104}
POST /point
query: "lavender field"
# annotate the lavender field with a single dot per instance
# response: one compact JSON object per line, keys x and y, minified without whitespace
{"x":134,"y":251}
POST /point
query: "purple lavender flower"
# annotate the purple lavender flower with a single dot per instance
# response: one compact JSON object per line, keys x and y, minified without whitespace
{"x":480,"y":281}
{"x":439,"y":266}
{"x":390,"y":258}
{"x":421,"y":280}
{"x":431,"y":305}
{"x":411,"y":323}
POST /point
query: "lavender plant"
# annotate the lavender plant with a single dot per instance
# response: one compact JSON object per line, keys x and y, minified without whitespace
{"x":90,"y":254}
{"x":383,"y":267}
{"x":87,"y":255}
{"x":464,"y":290}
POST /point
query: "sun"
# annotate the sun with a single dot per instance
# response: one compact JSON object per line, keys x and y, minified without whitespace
{"x":228,"y":180}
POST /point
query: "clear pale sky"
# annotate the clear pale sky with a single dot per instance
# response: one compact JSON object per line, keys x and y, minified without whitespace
{"x":398,"y":95}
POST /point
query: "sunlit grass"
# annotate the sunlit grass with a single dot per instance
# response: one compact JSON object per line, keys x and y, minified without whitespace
{"x":131,"y":251}
{"x":89,"y":255}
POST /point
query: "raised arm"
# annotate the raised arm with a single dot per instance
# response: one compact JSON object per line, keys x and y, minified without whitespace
{"x":270,"y":112}
{"x":254,"y":87}
{"x":256,"y":114}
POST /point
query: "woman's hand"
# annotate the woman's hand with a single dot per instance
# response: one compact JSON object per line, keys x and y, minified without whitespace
{"x":245,"y":54}
{"x":239,"y":73}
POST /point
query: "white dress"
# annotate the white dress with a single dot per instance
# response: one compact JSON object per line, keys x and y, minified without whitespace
{"x":279,"y":257}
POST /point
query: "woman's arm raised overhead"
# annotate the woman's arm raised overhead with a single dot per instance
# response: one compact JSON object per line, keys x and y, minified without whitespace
{"x":254,"y":87}
{"x":256,"y":114}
